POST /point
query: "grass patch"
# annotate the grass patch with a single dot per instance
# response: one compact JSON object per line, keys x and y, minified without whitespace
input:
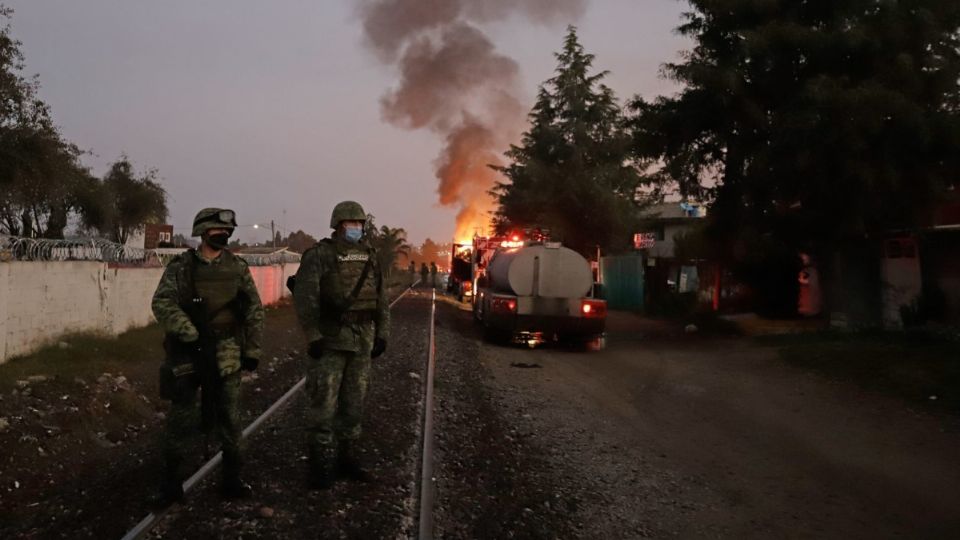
{"x":87,"y":356}
{"x":912,"y":366}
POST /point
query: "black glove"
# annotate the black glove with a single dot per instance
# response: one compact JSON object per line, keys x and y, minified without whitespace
{"x":315,"y":349}
{"x":379,"y":347}
{"x":249,"y":363}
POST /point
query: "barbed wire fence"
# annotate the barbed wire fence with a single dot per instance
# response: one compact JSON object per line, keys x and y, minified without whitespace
{"x":14,"y":248}
{"x":270,"y":259}
{"x":80,"y":249}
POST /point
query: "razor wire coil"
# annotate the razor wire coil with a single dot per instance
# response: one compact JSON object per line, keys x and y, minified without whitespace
{"x":82,"y":249}
{"x":15,"y":248}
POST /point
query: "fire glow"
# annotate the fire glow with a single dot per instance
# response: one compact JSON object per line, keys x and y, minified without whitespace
{"x":454,"y":82}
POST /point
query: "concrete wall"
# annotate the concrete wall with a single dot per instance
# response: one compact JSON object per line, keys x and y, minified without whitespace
{"x":41,"y":301}
{"x":272,"y":281}
{"x":902,"y":286}
{"x":666,"y":248}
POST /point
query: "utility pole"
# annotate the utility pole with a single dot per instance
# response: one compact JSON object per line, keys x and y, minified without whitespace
{"x":273,"y":234}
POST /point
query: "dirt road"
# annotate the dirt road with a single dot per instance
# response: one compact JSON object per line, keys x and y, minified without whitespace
{"x":690,"y":437}
{"x":657,"y":435}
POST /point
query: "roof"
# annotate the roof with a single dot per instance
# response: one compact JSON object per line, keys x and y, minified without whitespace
{"x":265,"y":250}
{"x":674,"y":211}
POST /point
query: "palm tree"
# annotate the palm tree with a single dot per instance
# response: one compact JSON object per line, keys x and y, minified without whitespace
{"x":390,"y":244}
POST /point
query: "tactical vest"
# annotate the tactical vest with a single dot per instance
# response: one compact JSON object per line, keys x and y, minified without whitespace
{"x":218,"y":287}
{"x":344,"y":267}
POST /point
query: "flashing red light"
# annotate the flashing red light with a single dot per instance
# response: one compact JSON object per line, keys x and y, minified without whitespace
{"x":515,"y":238}
{"x":504,"y":305}
{"x":594,"y":309}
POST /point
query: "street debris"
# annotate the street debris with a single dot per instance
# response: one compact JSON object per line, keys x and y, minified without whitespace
{"x":524,"y":365}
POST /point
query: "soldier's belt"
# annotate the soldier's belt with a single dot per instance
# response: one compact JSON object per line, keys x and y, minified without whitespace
{"x":358,"y":317}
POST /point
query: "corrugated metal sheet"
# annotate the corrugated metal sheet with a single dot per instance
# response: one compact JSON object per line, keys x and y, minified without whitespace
{"x":623,"y":282}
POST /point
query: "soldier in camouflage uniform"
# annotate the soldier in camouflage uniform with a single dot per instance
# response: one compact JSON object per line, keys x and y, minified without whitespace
{"x":208,"y":305}
{"x":341,"y":304}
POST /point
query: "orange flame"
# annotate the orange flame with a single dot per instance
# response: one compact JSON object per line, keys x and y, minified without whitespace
{"x":473,"y":220}
{"x":466,"y":178}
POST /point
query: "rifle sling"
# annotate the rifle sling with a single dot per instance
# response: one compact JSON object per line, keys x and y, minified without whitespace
{"x":363,"y":279}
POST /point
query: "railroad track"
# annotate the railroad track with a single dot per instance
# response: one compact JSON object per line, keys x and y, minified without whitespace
{"x":425,"y":473}
{"x":426,"y":446}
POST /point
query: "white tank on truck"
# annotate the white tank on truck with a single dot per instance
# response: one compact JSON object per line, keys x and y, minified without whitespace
{"x":551,"y":272}
{"x":542,"y":291}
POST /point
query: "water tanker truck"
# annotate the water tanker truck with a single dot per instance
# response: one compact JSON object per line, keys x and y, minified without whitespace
{"x":541,"y":291}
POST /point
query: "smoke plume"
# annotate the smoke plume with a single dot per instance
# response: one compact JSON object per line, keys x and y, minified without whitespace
{"x":454,"y":82}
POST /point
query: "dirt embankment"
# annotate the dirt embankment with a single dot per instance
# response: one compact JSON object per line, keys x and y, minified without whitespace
{"x":277,"y":462}
{"x":80,"y":426}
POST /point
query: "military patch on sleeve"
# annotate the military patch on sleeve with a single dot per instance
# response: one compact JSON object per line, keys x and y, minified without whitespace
{"x":353,"y":257}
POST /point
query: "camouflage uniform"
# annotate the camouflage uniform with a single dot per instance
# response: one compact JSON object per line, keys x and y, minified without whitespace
{"x":344,"y":331}
{"x":206,"y":342}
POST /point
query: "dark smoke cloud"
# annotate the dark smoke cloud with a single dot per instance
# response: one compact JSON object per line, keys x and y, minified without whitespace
{"x":388,"y":24}
{"x":463,"y":160}
{"x":441,"y":77}
{"x":455,"y":83}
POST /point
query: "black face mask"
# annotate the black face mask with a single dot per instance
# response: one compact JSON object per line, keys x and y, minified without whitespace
{"x":218,"y":241}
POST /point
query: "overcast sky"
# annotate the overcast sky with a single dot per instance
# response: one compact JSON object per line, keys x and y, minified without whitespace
{"x":272,"y":108}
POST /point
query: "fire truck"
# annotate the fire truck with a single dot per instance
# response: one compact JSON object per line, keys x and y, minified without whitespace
{"x":524,"y":288}
{"x":469,"y":262}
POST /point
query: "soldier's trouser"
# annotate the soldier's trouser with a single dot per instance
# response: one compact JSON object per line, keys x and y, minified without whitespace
{"x":337,"y":385}
{"x":184,"y":420}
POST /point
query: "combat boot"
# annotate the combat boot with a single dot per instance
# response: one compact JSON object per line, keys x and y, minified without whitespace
{"x":232,"y":486}
{"x":171,"y":485}
{"x":348,"y":463}
{"x":322,"y":471}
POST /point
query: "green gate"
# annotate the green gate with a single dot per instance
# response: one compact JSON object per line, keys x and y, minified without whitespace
{"x":623,"y":282}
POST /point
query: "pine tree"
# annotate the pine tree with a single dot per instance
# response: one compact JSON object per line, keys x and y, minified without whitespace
{"x":572,"y":171}
{"x":820,"y":120}
{"x":811,"y":125}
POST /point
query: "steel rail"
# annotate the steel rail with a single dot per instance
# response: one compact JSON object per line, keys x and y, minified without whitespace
{"x":426,"y":466}
{"x":151,"y":519}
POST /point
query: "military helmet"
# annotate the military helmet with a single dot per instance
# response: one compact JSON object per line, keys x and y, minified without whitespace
{"x":347,"y":211}
{"x":213,"y":218}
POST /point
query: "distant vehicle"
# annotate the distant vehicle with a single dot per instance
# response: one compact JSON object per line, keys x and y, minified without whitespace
{"x":468,"y":262}
{"x":529,"y":290}
{"x":462,"y":269}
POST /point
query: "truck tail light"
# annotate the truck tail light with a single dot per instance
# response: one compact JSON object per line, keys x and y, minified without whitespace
{"x":504,"y":305}
{"x":593,"y":309}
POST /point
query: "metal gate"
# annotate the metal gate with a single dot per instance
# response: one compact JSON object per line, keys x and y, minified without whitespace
{"x":623,"y":282}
